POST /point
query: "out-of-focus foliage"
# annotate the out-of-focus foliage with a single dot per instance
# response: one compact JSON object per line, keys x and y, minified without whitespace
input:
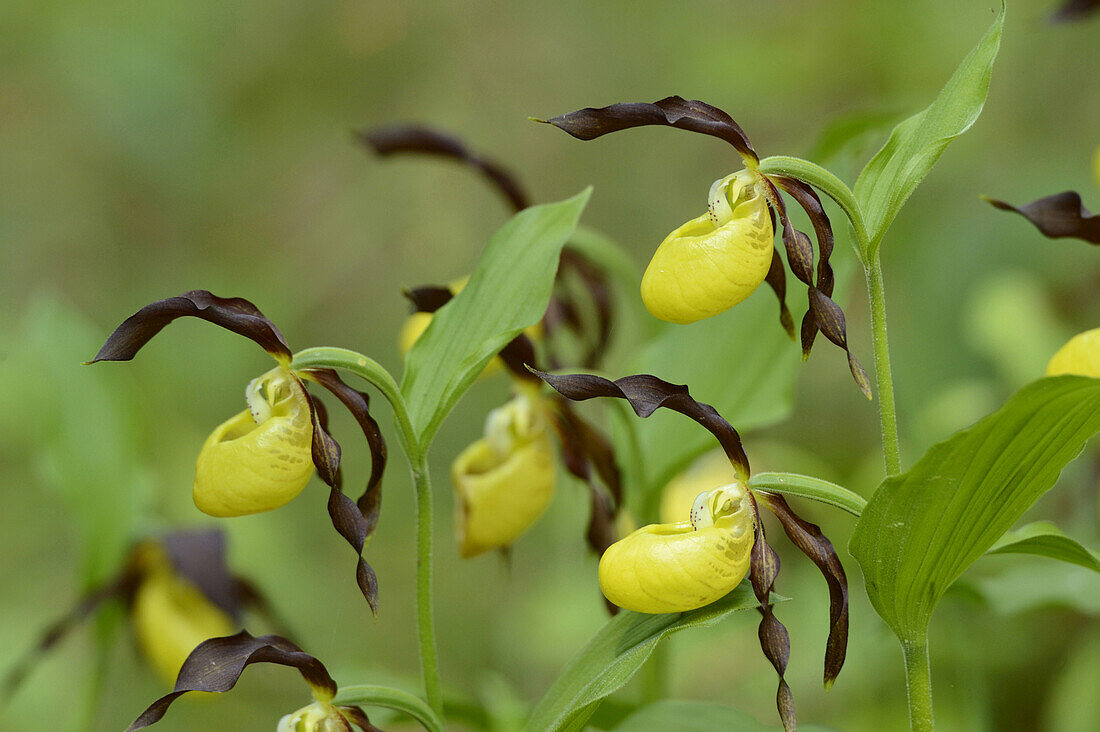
{"x":153,"y":147}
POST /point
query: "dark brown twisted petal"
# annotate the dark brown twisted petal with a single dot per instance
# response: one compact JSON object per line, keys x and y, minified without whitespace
{"x":1060,"y":216}
{"x":596,"y":285}
{"x":359,"y":718}
{"x":429,"y":298}
{"x":814,"y":544}
{"x":418,"y":139}
{"x":1074,"y":10}
{"x":324,"y":449}
{"x":646,"y":394}
{"x":805,"y":196}
{"x":199,"y":556}
{"x":692,"y":115}
{"x":775,"y":642}
{"x":235,"y":314}
{"x":777,"y":280}
{"x":830,"y":319}
{"x":518,"y":355}
{"x":356,"y":520}
{"x":216,"y":664}
{"x":121,"y":585}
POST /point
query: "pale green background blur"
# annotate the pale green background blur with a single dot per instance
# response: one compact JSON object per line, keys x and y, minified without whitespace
{"x":151,"y":147}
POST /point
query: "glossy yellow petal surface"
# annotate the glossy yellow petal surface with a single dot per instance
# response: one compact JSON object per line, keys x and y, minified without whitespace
{"x":171,"y":617}
{"x":261,"y":458}
{"x":504,"y":481}
{"x":1080,"y":356}
{"x":710,"y":470}
{"x":715,"y":261}
{"x":668,"y":568}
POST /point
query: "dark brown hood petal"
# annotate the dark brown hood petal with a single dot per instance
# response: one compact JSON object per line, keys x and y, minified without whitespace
{"x":216,"y":664}
{"x":1060,"y":216}
{"x":692,"y":115}
{"x":1074,"y":10}
{"x":235,"y":314}
{"x":814,"y":544}
{"x":424,"y":140}
{"x":428,"y":298}
{"x":646,"y":394}
{"x":199,"y":556}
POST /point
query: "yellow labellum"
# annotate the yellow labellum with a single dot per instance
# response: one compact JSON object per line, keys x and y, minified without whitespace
{"x":261,"y":458}
{"x":1080,"y":356}
{"x":715,"y":261}
{"x":505,"y":480}
{"x":171,"y":617}
{"x":710,"y":470}
{"x":317,"y":717}
{"x":668,"y":568}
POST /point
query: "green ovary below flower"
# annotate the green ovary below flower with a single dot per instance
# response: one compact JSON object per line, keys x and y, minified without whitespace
{"x":505,"y":480}
{"x":715,"y":261}
{"x":668,"y":568}
{"x":259,"y":459}
{"x":1080,"y":356}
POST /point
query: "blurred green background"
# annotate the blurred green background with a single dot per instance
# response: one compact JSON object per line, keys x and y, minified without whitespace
{"x":148,"y":148}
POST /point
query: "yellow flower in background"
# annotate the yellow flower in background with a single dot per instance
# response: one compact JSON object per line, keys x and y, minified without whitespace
{"x":505,"y":480}
{"x":710,"y":470}
{"x":674,"y":567}
{"x":171,"y":616}
{"x":1080,"y":356}
{"x":261,"y":458}
{"x":715,"y":261}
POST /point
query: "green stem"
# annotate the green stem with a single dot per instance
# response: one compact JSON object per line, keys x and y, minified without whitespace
{"x":918,"y":684}
{"x":425,"y":619}
{"x":887,"y":411}
{"x":368,"y":369}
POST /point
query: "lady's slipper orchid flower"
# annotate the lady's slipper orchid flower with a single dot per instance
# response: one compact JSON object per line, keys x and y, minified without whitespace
{"x":263,"y":457}
{"x":671,"y":568}
{"x":565,"y":309}
{"x":217,"y":664}
{"x":674,"y":567}
{"x":1080,"y":356}
{"x":178,"y":592}
{"x":505,"y":480}
{"x":715,"y":261}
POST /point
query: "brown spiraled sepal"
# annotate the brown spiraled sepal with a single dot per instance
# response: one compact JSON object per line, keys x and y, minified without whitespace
{"x":830,"y":319}
{"x":1060,"y":216}
{"x":646,"y":394}
{"x":234,"y":314}
{"x":777,"y":280}
{"x":692,"y":115}
{"x":815,"y":545}
{"x":216,"y":665}
{"x":397,"y":139}
{"x":324,"y":449}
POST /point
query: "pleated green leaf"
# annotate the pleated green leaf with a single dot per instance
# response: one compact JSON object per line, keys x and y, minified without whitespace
{"x":616,"y":653}
{"x":916,"y":144}
{"x":508,"y":292}
{"x":1044,"y":539}
{"x":923,"y":528}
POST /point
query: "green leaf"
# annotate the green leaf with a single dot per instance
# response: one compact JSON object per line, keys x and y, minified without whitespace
{"x":390,"y":698}
{"x":696,"y":716}
{"x":508,"y":292}
{"x":615,"y":654}
{"x":804,"y":486}
{"x":1044,"y":539}
{"x":923,"y":528}
{"x":914,"y":145}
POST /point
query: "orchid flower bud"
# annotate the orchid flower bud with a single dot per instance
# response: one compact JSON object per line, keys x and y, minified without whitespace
{"x":505,"y":480}
{"x":1080,"y":356}
{"x":172,"y":616}
{"x":715,"y":261}
{"x":668,"y":568}
{"x":261,"y":458}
